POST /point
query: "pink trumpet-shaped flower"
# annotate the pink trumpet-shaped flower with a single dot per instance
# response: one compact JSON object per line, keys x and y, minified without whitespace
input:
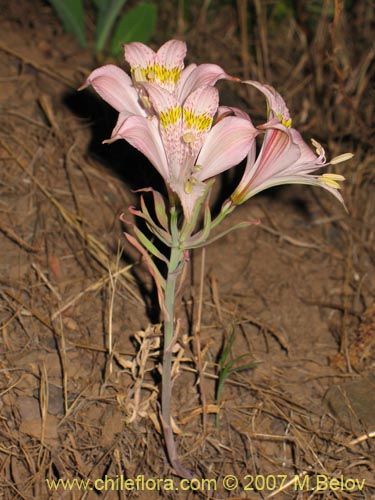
{"x":284,"y":157}
{"x":164,"y":68}
{"x":182,"y":144}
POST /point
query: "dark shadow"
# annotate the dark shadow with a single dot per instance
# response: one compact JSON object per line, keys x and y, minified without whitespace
{"x":128,"y":163}
{"x":131,"y":167}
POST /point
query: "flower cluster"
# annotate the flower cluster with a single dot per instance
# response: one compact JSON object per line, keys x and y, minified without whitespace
{"x":172,"y":115}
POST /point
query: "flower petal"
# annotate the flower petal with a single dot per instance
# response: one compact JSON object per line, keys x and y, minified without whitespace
{"x":230,"y":110}
{"x":143,"y":134}
{"x":138,"y":55}
{"x":276,"y":103}
{"x":116,"y":87}
{"x":308,"y":161}
{"x":169,"y":114}
{"x":295,"y":179}
{"x":198,"y":111}
{"x":185,"y":73}
{"x":161,"y":99}
{"x":203,"y":101}
{"x":171,"y":54}
{"x":202,"y":75}
{"x":278,"y":152}
{"x":169,"y":62}
{"x":226,"y":145}
{"x":189,"y":200}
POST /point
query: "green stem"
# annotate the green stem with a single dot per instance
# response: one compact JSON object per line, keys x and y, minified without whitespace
{"x":222,"y":215}
{"x":175,"y":267}
{"x":169,"y":323}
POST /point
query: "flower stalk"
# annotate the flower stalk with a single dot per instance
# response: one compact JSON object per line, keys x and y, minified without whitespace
{"x":175,"y":267}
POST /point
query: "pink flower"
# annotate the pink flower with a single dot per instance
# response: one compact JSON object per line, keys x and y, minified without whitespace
{"x":167,"y":112}
{"x":284,"y":157}
{"x":181,"y":143}
{"x":164,"y":68}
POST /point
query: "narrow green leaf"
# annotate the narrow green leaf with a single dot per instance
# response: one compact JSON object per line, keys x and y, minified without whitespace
{"x":160,"y":210}
{"x":249,"y":366}
{"x":71,"y":15}
{"x":160,"y":234}
{"x":220,"y":235}
{"x":159,"y":206}
{"x":156,"y":230}
{"x":227,"y":349}
{"x":153,"y":270}
{"x":108,"y":12}
{"x":99,"y":3}
{"x":137,"y":24}
{"x":149,"y":245}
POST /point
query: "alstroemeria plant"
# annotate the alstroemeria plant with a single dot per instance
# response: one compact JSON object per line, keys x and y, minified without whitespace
{"x":172,"y":115}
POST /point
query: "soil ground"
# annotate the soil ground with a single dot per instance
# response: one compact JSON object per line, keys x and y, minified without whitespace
{"x":80,"y":333}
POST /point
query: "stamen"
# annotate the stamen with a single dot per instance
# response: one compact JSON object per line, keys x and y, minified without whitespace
{"x":192,"y":181}
{"x":139,"y":74}
{"x":287,"y":122}
{"x":331,"y":180}
{"x":145,"y":102}
{"x":334,"y":177}
{"x":341,"y":158}
{"x":188,"y":188}
{"x":189,"y":137}
{"x":318,"y":147}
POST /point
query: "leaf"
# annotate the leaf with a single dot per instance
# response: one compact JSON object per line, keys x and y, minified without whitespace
{"x":200,"y":238}
{"x":149,"y":245}
{"x":107,"y":15}
{"x":189,"y":246}
{"x":162,"y":235}
{"x":160,"y":210}
{"x":99,"y":3}
{"x":137,"y":24}
{"x":71,"y":15}
{"x":159,"y":206}
{"x":227,"y":349}
{"x":154,"y":271}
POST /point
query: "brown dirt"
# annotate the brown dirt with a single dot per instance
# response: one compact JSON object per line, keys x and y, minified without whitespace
{"x":298,"y":289}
